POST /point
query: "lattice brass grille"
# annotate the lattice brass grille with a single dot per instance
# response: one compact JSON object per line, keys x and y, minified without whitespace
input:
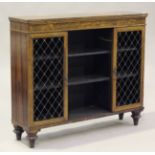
{"x":48,"y":77}
{"x":128,"y":67}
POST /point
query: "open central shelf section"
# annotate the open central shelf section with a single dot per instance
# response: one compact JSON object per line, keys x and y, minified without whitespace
{"x":89,"y":71}
{"x":89,"y":56}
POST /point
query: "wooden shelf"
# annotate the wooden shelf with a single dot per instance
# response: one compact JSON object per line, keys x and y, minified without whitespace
{"x":88,"y":52}
{"x":87,"y":79}
{"x":86,"y":113}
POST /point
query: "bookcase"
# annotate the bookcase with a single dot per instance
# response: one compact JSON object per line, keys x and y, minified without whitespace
{"x":67,"y":69}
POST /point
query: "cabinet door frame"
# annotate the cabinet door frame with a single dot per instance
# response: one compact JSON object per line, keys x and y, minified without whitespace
{"x":49,"y":122}
{"x":114,"y":68}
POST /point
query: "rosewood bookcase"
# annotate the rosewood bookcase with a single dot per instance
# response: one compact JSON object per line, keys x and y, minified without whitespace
{"x":67,"y":69}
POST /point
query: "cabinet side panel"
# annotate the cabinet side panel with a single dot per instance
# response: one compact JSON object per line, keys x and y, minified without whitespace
{"x":17,"y":77}
{"x":13,"y":78}
{"x":24,"y":64}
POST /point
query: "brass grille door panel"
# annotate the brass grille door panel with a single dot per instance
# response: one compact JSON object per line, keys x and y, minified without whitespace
{"x":127,"y":68}
{"x":49,"y":71}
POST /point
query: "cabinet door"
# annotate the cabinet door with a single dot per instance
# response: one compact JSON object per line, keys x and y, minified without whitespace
{"x":48,"y":92}
{"x":127,"y":68}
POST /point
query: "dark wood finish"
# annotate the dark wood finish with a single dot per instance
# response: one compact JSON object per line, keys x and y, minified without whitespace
{"x":136,"y":116}
{"x":96,"y":87}
{"x":32,"y":138}
{"x":18,"y":131}
{"x":121,"y":115}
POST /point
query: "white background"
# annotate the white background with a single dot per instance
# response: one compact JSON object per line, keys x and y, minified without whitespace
{"x":106,"y":134}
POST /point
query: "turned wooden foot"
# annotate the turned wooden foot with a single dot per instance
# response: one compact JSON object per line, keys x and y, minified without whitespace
{"x":121,"y":116}
{"x":18,"y":131}
{"x":32,"y":137}
{"x":136,"y":115}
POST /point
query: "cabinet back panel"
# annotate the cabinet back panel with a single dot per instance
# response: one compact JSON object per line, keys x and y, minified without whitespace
{"x":91,"y":65}
{"x":87,"y":40}
{"x":96,"y":94}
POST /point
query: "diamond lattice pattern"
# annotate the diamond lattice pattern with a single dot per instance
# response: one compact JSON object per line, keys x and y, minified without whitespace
{"x":128,"y":67}
{"x":48,"y":78}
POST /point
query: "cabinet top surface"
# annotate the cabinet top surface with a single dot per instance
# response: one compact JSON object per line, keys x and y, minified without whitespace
{"x":77,"y":17}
